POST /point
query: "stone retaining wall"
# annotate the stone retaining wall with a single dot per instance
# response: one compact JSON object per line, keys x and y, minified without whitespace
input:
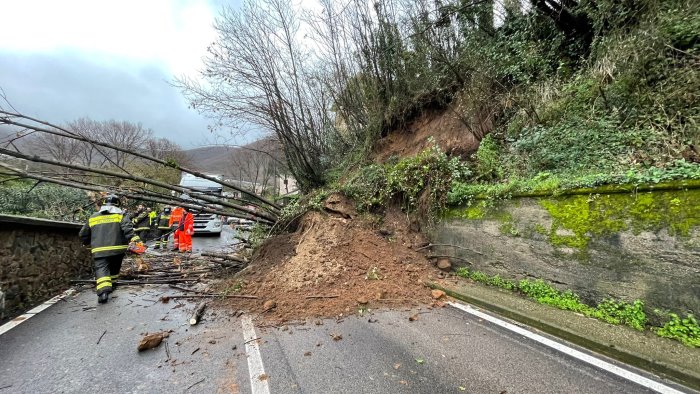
{"x":624,"y":246}
{"x":37,"y":259}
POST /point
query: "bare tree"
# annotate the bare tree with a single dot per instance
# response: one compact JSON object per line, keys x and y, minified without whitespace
{"x":126,"y":135}
{"x":258,"y":72}
{"x":88,"y":153}
{"x":57,"y":148}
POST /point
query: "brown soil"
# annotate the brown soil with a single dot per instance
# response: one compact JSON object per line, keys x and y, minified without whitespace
{"x":448,"y":131}
{"x":360,"y":264}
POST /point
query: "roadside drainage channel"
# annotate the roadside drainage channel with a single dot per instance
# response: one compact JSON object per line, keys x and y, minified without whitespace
{"x":691,"y":379}
{"x":34,"y":311}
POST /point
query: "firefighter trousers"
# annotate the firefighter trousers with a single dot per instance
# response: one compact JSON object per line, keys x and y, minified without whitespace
{"x":161,"y":240}
{"x":106,"y":271}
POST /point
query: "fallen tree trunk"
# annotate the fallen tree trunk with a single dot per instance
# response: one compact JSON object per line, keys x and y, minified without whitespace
{"x":197,"y":315}
{"x":179,"y":189}
{"x":67,"y":134}
{"x":169,"y":201}
{"x":135,"y":282}
{"x":224,"y":257}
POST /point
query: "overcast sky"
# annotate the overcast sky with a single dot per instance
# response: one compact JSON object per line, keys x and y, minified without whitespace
{"x":61,"y":60}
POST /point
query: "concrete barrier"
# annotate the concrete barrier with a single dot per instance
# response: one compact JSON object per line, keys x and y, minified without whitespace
{"x":627,"y":246}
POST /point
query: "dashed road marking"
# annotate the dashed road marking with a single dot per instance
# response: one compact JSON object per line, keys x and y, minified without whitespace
{"x":24,"y":317}
{"x":258,"y":378}
{"x":587,"y":358}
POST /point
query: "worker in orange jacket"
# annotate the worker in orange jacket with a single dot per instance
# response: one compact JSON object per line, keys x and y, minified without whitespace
{"x":186,"y":231}
{"x":174,"y":222}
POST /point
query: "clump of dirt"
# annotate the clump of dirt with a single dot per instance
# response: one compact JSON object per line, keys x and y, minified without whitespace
{"x":337,"y":263}
{"x":447,"y":130}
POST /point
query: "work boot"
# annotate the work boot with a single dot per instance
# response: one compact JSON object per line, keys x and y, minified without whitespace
{"x":156,"y":247}
{"x":103,"y":297}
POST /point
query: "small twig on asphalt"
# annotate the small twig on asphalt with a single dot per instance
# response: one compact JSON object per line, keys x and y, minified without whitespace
{"x":251,"y":340}
{"x":323,"y":296}
{"x":167,"y":350}
{"x":214,"y":296}
{"x":186,"y":289}
{"x":5,"y":387}
{"x":194,"y":384}
{"x":103,"y":334}
{"x":194,"y":351}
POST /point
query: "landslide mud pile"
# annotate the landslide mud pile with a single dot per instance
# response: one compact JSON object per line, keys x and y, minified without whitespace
{"x":336,"y":263}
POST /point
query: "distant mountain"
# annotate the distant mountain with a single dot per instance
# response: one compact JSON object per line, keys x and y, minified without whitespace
{"x":225,"y":160}
{"x":211,"y":159}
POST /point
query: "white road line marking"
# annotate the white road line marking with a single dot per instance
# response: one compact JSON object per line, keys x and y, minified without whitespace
{"x":604,"y":365}
{"x":255,"y":364}
{"x":22,"y":318}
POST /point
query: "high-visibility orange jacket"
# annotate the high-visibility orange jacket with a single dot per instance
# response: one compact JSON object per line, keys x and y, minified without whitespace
{"x":176,"y":216}
{"x":188,"y":225}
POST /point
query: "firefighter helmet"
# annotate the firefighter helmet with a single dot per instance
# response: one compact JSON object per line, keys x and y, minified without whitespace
{"x":167,"y":210}
{"x":112,"y":200}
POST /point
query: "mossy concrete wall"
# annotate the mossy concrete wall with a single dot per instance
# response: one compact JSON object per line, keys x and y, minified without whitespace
{"x":623,"y":245}
{"x":38,"y":258}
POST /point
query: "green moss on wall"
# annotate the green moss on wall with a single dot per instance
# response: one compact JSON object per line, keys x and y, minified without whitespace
{"x":596,"y":215}
{"x":476,"y":211}
{"x":578,"y":219}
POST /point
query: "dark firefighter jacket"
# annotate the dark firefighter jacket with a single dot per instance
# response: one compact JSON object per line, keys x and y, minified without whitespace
{"x":142,"y":222}
{"x":108,"y":232}
{"x":163,"y":220}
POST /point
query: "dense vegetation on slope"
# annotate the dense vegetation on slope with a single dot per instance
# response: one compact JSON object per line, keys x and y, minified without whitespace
{"x":569,"y":88}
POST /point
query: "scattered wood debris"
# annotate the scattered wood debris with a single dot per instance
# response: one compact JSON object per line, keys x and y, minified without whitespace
{"x":197,"y":315}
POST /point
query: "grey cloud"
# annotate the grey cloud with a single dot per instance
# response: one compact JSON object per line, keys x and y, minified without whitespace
{"x":62,"y":87}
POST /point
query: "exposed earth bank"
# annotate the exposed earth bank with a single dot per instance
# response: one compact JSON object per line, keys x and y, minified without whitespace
{"x":335,"y":264}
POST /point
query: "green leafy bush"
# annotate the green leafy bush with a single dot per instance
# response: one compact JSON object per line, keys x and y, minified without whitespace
{"x":610,"y":311}
{"x":684,"y":330}
{"x":44,"y":201}
{"x":420,"y":182}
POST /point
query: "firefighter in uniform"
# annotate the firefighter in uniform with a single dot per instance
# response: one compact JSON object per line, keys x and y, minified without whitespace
{"x":108,"y":232}
{"x":174,"y":223}
{"x":152,"y":223}
{"x":162,"y":229}
{"x":140,"y":221}
{"x":186,"y":230}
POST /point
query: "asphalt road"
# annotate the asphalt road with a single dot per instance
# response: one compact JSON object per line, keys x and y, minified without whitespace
{"x":224,"y":242}
{"x":77,"y":346}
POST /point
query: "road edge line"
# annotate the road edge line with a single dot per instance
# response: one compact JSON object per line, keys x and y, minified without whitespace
{"x":33,"y":312}
{"x":255,"y":363}
{"x":680,"y":375}
{"x":571,"y":352}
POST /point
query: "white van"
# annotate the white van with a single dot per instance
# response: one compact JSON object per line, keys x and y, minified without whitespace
{"x":204,"y":223}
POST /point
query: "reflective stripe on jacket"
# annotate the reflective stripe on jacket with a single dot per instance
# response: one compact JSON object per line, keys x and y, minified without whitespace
{"x":141,"y":222}
{"x":187,"y":224}
{"x":108,"y":233}
{"x":164,"y":222}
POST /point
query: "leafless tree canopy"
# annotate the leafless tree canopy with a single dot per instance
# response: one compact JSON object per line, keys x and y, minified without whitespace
{"x":331,"y":82}
{"x":259,"y":72}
